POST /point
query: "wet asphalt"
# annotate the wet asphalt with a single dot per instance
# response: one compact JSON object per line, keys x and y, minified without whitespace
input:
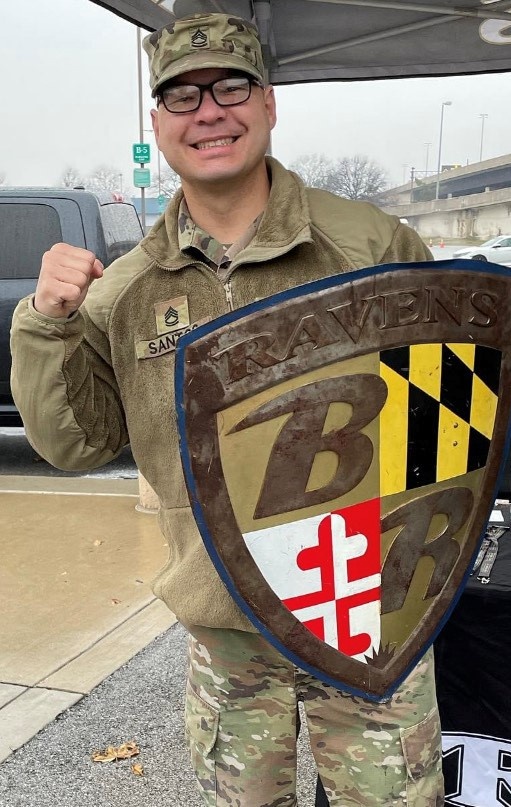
{"x":18,"y":458}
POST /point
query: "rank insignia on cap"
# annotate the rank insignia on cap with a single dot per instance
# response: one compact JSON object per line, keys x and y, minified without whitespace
{"x":199,"y":39}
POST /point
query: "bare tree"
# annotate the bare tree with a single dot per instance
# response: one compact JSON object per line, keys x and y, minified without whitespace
{"x":70,"y":178}
{"x":357,"y":178}
{"x":352,"y":177}
{"x":104,"y":178}
{"x":167,"y":183}
{"x":3,"y":176}
{"x":314,"y":169}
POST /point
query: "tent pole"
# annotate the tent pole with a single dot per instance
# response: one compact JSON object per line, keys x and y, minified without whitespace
{"x":262,"y":14}
{"x":477,"y":13}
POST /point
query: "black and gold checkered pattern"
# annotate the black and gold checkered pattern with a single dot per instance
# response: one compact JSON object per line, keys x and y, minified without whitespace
{"x":438,"y":420}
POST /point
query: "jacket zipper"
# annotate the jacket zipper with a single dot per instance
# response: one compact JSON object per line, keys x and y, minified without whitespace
{"x":227,"y":286}
{"x":228,"y":294}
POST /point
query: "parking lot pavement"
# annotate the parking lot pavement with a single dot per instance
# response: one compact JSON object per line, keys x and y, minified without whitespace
{"x":140,"y":702}
{"x":18,"y":458}
{"x":75,"y":597}
{"x":89,"y":657}
{"x":443,"y":253}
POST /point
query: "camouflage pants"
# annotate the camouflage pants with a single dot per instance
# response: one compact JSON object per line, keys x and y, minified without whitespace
{"x":241,"y":713}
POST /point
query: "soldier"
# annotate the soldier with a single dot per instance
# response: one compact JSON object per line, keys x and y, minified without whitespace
{"x":101,"y":352}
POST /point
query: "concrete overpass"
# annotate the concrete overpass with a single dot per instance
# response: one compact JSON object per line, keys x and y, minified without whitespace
{"x":474,"y":202}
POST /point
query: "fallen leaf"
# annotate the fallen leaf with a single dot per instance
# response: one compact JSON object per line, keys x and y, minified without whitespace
{"x":98,"y":542}
{"x":108,"y":755}
{"x":127,"y":750}
{"x":137,"y":769}
{"x":112,"y":753}
{"x":115,"y":601}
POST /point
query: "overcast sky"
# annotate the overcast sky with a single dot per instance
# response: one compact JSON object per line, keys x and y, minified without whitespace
{"x":69,"y":97}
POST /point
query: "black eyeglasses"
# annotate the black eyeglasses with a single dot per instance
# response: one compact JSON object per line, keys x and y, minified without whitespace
{"x":178,"y":98}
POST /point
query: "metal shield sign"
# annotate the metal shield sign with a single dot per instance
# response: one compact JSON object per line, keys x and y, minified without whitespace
{"x":341,"y":444}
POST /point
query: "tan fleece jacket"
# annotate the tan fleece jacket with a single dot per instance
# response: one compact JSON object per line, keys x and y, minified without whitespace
{"x":88,"y":393}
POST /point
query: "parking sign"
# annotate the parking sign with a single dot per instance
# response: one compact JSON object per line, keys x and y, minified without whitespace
{"x":141,"y":153}
{"x":141,"y":177}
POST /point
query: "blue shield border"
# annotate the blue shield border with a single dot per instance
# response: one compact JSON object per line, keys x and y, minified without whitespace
{"x":202,"y":331}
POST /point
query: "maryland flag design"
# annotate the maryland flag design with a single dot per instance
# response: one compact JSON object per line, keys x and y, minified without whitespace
{"x":440,"y":412}
{"x":341,"y":463}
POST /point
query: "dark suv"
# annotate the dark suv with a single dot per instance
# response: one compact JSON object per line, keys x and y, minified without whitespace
{"x":31,"y":221}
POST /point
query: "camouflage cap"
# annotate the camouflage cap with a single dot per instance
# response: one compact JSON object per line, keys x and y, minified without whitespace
{"x":203,"y":40}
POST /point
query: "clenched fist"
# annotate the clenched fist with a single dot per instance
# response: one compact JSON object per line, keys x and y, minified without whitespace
{"x":64,"y":280}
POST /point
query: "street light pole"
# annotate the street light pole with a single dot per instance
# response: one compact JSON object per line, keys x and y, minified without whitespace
{"x":141,"y":121}
{"x":483,"y":117}
{"x":427,"y":158}
{"x":444,"y":104}
{"x":158,"y":157}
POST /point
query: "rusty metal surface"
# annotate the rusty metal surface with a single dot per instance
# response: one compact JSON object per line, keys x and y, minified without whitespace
{"x":283,"y":422}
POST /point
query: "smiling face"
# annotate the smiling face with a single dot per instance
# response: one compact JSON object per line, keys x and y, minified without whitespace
{"x":216,"y":144}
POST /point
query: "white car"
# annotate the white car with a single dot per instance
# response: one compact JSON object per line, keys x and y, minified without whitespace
{"x":496,"y":250}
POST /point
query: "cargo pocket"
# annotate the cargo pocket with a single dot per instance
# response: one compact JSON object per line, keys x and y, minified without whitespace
{"x":201,"y":729}
{"x":422,"y":751}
